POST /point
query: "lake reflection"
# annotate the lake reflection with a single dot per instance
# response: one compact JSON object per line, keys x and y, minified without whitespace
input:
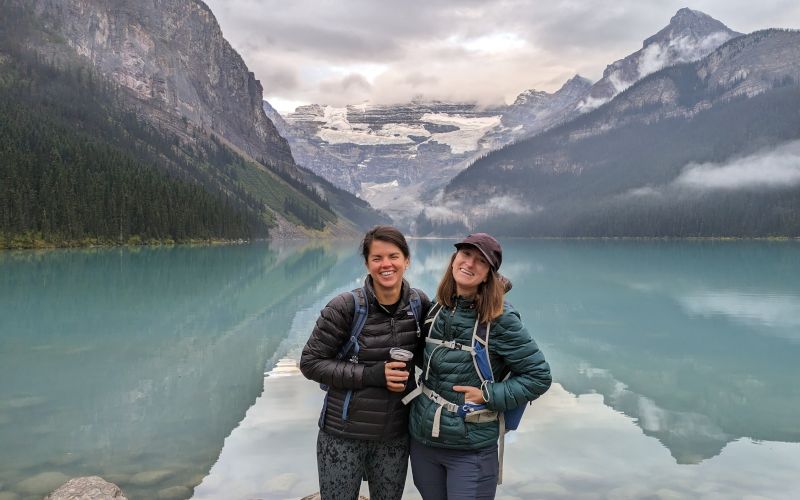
{"x":674,"y":362}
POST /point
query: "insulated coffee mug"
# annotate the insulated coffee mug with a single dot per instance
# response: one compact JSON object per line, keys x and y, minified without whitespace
{"x":403,"y":355}
{"x":397,"y":354}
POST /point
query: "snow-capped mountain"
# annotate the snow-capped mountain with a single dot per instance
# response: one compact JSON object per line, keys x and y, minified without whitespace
{"x":391,"y":155}
{"x":709,"y":148}
{"x":395,"y":156}
{"x":535,"y":111}
{"x":689,"y":36}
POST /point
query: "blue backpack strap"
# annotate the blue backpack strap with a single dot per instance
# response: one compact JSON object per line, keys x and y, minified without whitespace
{"x":416,"y":308}
{"x":481,"y":352}
{"x":512,"y":417}
{"x":360,"y":312}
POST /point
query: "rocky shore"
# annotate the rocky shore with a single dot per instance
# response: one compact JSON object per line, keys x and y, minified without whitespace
{"x":97,"y":488}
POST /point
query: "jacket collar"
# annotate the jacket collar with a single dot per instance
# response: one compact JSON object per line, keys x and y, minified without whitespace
{"x":405,"y":292}
{"x":468,"y":303}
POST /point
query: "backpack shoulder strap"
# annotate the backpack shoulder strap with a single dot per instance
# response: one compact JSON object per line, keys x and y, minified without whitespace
{"x":480,"y":349}
{"x":430,"y":318}
{"x":416,"y":308}
{"x":360,"y":312}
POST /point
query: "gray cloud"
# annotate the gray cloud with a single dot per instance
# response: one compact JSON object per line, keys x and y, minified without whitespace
{"x":417,"y":79}
{"x":352,"y":82}
{"x":281,"y":79}
{"x":778,"y":168}
{"x":472,"y":50}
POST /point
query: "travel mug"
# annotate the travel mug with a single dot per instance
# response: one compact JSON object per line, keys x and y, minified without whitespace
{"x":404,"y":355}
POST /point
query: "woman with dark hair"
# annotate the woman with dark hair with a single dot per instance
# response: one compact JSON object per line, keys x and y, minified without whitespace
{"x":363,"y":423}
{"x":457,"y":413}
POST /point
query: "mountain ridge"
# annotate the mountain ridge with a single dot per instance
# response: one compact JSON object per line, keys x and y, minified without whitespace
{"x":392,"y":157}
{"x":619,"y":158}
{"x":180,"y":75}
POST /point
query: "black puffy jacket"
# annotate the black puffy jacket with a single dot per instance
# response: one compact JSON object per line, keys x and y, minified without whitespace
{"x":374,"y":412}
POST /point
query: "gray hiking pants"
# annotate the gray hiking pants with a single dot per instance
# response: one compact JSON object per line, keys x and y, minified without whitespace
{"x":444,"y":474}
{"x":343,"y":462}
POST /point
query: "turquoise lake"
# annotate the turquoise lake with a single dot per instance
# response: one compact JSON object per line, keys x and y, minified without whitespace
{"x":676,"y":367}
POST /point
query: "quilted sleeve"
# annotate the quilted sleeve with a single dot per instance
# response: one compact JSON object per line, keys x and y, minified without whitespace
{"x":318,"y":361}
{"x":529,"y":374}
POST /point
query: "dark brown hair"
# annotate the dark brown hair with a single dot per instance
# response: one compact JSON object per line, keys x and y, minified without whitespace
{"x":488,"y":299}
{"x":388,"y":234}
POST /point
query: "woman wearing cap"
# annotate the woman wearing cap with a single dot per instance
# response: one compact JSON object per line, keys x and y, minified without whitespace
{"x":453,"y":457}
{"x":363,"y":423}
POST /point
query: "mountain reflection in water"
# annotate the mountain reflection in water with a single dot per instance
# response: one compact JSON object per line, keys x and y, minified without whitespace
{"x":674,"y":364}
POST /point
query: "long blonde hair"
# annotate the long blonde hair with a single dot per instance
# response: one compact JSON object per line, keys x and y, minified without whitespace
{"x":488,"y":299}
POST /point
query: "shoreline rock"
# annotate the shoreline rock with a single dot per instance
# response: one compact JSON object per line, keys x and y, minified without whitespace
{"x":87,"y":488}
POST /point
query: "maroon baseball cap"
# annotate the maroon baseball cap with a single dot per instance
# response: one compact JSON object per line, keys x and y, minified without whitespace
{"x":488,"y":246}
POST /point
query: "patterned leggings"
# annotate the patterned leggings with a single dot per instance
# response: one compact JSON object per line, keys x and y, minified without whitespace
{"x":343,"y":462}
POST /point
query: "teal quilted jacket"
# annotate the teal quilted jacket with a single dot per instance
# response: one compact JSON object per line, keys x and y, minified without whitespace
{"x":511,"y":349}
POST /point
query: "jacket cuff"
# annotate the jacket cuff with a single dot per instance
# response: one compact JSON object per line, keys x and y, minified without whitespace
{"x":374,"y":376}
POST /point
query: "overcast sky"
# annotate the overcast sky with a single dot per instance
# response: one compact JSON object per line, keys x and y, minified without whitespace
{"x":349,"y":51}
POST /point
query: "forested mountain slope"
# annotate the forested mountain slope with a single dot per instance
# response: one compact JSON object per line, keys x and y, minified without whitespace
{"x":86,"y":80}
{"x":699,"y":149}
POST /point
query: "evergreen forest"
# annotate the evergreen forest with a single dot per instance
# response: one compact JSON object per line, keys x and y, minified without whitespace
{"x":80,"y":166}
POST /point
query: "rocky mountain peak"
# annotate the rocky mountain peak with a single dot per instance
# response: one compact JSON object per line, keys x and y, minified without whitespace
{"x":689,"y":36}
{"x":575,"y":85}
{"x":531,"y":96}
{"x":172,"y":57}
{"x":690,"y":24}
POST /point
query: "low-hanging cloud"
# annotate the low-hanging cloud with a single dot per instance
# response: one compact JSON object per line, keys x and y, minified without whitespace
{"x":474,"y":211}
{"x":445,"y":213}
{"x":353,"y":82}
{"x":779,"y":168}
{"x":681,"y":49}
{"x":509,"y":205}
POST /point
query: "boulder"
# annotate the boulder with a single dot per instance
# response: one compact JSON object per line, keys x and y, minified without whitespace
{"x":87,"y":488}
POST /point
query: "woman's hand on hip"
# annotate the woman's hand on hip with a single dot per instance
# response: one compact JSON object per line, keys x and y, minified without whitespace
{"x":471,"y":394}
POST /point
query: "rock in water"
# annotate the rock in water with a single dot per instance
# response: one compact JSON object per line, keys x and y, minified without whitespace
{"x":87,"y":488}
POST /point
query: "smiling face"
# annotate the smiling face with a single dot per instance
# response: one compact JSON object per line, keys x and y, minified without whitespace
{"x":386,"y":264}
{"x":470,"y":269}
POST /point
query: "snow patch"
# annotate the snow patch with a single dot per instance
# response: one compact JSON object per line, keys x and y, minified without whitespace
{"x":379,"y":186}
{"x":470,"y":130}
{"x":360,"y":138}
{"x":337,"y":129}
